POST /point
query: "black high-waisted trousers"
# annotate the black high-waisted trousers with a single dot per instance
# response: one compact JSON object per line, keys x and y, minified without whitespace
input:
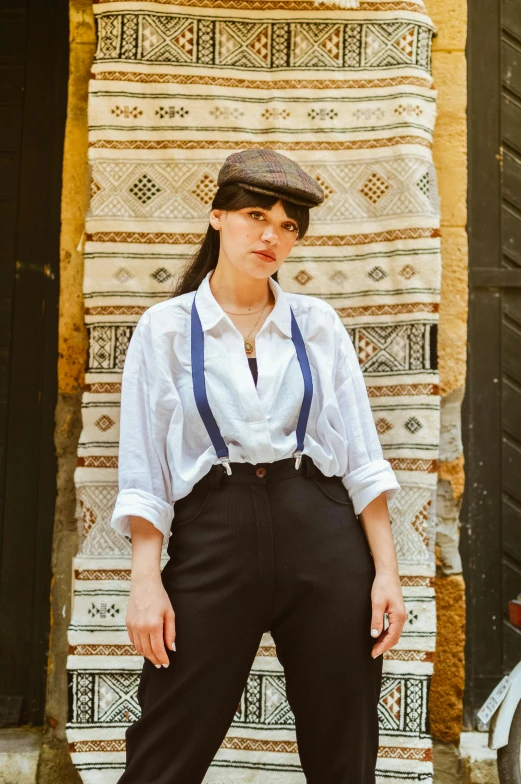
{"x":267,"y":548}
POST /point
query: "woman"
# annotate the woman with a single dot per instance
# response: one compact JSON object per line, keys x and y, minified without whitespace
{"x":271,"y":491}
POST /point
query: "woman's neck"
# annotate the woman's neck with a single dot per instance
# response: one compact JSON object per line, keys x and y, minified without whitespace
{"x":239,"y":292}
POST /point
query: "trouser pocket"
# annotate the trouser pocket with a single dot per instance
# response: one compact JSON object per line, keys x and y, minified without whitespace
{"x":188,"y":508}
{"x":332,"y":488}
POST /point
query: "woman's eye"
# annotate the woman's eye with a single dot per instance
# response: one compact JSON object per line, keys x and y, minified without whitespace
{"x":291,"y":227}
{"x":256,"y":215}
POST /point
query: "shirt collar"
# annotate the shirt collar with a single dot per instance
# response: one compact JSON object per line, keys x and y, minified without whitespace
{"x":210,"y":312}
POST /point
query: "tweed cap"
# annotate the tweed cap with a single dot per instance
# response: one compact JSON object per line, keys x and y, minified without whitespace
{"x":266,"y":171}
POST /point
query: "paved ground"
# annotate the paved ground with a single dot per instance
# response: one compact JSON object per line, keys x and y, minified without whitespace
{"x":19,"y":750}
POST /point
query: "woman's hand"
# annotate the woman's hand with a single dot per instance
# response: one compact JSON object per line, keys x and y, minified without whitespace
{"x":151,"y":619}
{"x":386,"y":593}
{"x":386,"y":597}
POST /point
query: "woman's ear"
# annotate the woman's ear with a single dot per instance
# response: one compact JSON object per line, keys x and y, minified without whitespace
{"x":215,"y":219}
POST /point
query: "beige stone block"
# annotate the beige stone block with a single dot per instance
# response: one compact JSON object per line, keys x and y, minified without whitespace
{"x":449,"y":71}
{"x":72,"y":340}
{"x":450,"y":161}
{"x":452,"y":335}
{"x":80,"y":62}
{"x":450,"y":137}
{"x":75,"y":199}
{"x":451,"y":471}
{"x":448,"y":681}
{"x":479,"y":762}
{"x":75,"y":188}
{"x":448,"y":556}
{"x":19,"y":751}
{"x":451,"y":442}
{"x":447,"y":763}
{"x":450,"y":19}
{"x":81,"y":22}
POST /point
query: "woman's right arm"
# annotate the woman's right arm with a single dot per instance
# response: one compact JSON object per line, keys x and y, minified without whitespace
{"x":150,"y":616}
{"x":144,"y":506}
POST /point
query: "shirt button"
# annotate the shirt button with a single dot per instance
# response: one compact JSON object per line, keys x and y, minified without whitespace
{"x":260,"y":472}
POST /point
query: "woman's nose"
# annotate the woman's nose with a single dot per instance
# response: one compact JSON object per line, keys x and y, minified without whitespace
{"x":270,"y":235}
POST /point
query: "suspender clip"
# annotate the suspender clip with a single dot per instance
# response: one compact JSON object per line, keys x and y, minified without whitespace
{"x":298,"y":459}
{"x":226,"y":463}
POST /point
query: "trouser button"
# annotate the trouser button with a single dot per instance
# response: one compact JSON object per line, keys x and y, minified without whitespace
{"x":260,"y":472}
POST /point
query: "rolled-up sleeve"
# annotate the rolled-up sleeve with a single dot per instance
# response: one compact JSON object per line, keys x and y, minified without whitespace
{"x":144,"y":478}
{"x":368,"y":474}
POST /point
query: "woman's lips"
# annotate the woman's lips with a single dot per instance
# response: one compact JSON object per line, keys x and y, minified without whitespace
{"x":263,"y":256}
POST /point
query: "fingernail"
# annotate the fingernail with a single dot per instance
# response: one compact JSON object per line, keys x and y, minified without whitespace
{"x":173,"y":646}
{"x":158,"y":665}
{"x":375,"y":632}
{"x":165,"y":665}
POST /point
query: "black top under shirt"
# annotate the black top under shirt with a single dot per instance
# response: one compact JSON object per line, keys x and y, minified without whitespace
{"x":252,"y":362}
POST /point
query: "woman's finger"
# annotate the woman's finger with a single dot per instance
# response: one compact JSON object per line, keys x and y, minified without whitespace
{"x":169,"y":630}
{"x":377,"y":619}
{"x":380,"y":646}
{"x":137,"y":643}
{"x":391,"y":634}
{"x":147,"y":649}
{"x":158,"y":647}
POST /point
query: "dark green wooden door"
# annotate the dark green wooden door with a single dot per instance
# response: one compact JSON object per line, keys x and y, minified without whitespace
{"x":33,"y":83}
{"x":491,"y":516}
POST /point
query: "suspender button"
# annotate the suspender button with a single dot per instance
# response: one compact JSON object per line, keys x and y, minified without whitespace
{"x":260,"y":472}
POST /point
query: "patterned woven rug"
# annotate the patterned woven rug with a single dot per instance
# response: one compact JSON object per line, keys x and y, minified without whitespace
{"x":347,"y":93}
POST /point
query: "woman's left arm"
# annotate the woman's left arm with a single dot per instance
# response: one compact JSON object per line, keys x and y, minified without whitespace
{"x":371,"y":483}
{"x":386,"y":593}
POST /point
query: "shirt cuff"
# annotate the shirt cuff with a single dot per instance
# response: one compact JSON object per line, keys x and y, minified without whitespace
{"x":367,"y":482}
{"x":139,"y":503}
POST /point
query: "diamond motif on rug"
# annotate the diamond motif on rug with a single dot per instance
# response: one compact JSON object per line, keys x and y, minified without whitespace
{"x":374,"y":188}
{"x":303,"y":277}
{"x":144,"y":189}
{"x":383,"y":426}
{"x":168,"y":39}
{"x":317,"y":45}
{"x":205,"y":189}
{"x":243,"y":44}
{"x":104,"y":423}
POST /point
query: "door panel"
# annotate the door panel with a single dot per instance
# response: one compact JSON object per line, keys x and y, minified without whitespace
{"x":491,"y":512}
{"x":33,"y":98}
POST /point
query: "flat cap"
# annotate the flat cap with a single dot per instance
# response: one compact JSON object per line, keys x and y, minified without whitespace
{"x":266,"y":171}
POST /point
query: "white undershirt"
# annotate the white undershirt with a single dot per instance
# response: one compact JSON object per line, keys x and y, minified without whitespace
{"x":164,"y":447}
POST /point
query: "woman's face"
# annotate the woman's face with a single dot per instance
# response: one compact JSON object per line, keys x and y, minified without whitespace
{"x":255,"y":240}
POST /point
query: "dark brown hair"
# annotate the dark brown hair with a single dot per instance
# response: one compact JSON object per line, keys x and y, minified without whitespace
{"x":232,"y":197}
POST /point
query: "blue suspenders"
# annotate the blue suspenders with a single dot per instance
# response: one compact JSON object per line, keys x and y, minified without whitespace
{"x":201,"y":398}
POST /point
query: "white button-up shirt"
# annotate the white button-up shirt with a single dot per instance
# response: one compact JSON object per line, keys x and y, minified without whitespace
{"x":164,"y":447}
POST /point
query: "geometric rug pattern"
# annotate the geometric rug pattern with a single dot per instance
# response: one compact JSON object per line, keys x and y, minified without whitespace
{"x":347,"y":93}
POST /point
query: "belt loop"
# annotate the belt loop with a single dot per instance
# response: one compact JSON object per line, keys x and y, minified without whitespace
{"x":217,"y":475}
{"x":310,"y":466}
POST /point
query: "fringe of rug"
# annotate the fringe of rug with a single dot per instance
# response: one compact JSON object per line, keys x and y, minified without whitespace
{"x":339,"y":3}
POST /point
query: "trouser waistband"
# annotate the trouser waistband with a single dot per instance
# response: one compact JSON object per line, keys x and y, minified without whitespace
{"x":258,"y":473}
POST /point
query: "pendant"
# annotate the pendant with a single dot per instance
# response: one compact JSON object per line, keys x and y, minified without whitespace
{"x":248,"y":347}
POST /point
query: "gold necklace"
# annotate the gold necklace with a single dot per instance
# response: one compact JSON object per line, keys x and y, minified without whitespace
{"x":231,"y":312}
{"x":248,"y":345}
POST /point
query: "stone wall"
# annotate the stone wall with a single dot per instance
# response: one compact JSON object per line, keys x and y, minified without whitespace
{"x":449,"y":70}
{"x":449,"y":67}
{"x":55,"y":765}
